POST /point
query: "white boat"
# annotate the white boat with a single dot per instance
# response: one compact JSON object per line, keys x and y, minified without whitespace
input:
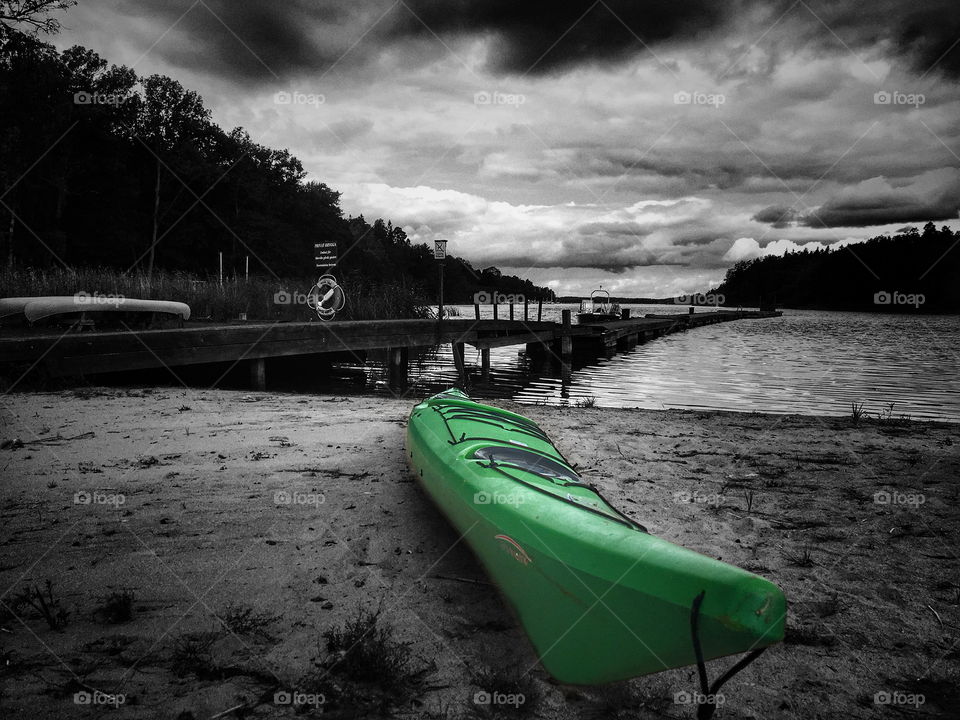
{"x":598,"y":308}
{"x":40,"y":308}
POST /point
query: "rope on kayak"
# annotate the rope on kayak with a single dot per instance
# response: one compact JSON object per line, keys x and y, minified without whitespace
{"x":458,"y":413}
{"x":618,"y":518}
{"x":502,"y":426}
{"x":445,"y":423}
{"x":707,"y":704}
{"x":613,"y":507}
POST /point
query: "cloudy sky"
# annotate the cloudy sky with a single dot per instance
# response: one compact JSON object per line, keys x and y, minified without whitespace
{"x":642,"y":144}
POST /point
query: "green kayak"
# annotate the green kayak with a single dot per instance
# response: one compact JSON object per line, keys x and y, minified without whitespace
{"x":600,"y":598}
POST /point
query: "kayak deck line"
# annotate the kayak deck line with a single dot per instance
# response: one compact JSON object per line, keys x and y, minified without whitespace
{"x":601,"y":601}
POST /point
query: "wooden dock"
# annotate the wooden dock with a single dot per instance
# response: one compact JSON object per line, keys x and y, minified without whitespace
{"x":79,"y":354}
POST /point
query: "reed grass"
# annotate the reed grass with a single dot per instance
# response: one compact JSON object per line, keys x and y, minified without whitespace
{"x":258,"y":297}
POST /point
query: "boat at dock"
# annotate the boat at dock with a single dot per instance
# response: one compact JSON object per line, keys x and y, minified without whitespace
{"x":598,"y":308}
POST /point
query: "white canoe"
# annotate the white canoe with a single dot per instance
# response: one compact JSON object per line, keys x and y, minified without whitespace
{"x":38,"y":308}
{"x":15,"y":305}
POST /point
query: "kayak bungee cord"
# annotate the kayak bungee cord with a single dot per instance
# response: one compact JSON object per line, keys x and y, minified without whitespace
{"x":492,"y":418}
{"x":618,"y":518}
{"x":496,"y":424}
{"x":707,"y":704}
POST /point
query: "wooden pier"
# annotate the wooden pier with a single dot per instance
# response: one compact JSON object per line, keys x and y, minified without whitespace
{"x":79,"y":354}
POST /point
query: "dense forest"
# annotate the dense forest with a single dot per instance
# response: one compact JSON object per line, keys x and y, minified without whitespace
{"x":908,"y":272}
{"x":100,"y":167}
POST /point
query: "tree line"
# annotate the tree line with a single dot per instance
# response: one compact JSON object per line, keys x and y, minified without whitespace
{"x":910,"y":271}
{"x":102,"y":167}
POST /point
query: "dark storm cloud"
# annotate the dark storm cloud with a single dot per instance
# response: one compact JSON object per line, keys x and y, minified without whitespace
{"x":864,"y":212}
{"x":924,"y":33}
{"x":261,"y":40}
{"x":934,"y":195}
{"x":779,"y":216}
{"x":543,"y":35}
{"x":252,"y":40}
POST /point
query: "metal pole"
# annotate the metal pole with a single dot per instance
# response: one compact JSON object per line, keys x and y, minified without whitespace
{"x":246,"y":272}
{"x":440,"y":305}
{"x":221,"y":268}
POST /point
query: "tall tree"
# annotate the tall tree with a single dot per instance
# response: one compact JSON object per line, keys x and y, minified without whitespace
{"x":171,"y":122}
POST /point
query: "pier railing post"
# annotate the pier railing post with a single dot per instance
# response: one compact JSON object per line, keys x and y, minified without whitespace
{"x":511,"y":312}
{"x":566,"y":341}
{"x":460,"y":362}
{"x":398,"y":362}
{"x":258,"y":373}
{"x":539,"y":309}
{"x":526,"y":303}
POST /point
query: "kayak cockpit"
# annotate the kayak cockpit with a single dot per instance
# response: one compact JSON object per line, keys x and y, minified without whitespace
{"x":532,"y":462}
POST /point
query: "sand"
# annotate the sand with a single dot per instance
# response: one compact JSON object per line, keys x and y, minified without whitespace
{"x":296,"y":512}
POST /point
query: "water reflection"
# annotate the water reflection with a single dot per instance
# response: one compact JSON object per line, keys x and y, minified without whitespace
{"x":805,"y":362}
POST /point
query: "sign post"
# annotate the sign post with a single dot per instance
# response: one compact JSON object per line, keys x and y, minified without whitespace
{"x":440,"y":255}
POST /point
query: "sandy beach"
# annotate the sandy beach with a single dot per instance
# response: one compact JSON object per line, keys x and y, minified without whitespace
{"x":198,"y":545}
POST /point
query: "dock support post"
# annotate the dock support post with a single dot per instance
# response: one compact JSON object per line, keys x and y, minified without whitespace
{"x":566,"y":341}
{"x":539,"y":309}
{"x":511,"y":312}
{"x":609,"y":346}
{"x":258,"y":373}
{"x":398,"y":362}
{"x":476,"y":310}
{"x":458,"y":360}
{"x":526,"y":304}
{"x":485,"y":363}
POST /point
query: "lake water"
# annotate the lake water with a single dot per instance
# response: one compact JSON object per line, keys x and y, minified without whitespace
{"x":807,"y":362}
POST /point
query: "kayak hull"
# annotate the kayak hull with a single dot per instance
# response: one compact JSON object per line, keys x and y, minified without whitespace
{"x":601,"y":600}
